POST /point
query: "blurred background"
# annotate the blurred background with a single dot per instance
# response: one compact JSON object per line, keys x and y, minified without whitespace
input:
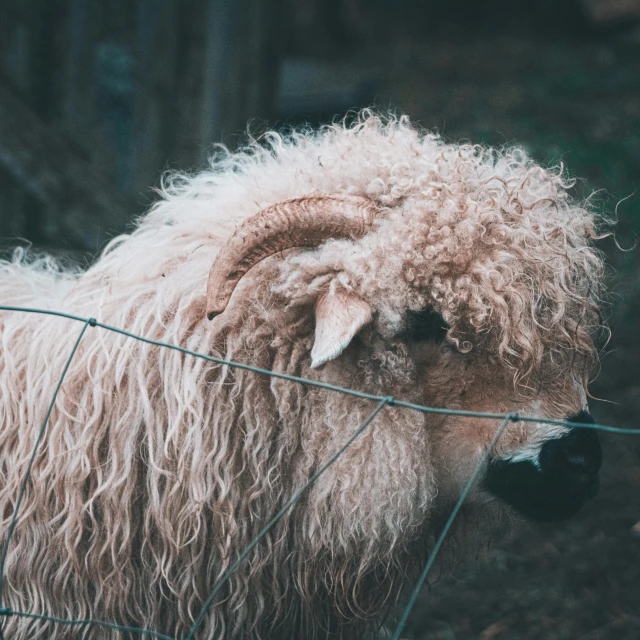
{"x":98,"y":99}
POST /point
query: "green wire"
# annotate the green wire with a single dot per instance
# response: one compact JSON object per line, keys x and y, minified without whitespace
{"x":294,"y":498}
{"x":443,"y":534}
{"x":325,"y":385}
{"x":382,"y":402}
{"x":27,"y":475}
{"x":99,"y":623}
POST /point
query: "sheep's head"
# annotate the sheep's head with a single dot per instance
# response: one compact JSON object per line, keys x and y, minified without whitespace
{"x":480,"y":291}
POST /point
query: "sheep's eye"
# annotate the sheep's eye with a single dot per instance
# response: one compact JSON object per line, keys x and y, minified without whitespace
{"x":426,"y":326}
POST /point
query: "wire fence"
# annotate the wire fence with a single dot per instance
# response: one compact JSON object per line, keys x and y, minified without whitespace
{"x":381,"y":403}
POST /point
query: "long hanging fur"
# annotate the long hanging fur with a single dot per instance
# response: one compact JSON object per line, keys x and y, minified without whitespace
{"x":157,"y":468}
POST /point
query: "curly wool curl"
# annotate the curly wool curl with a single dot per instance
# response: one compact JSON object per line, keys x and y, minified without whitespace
{"x":507,"y":257}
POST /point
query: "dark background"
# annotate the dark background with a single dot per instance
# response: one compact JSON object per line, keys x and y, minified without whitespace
{"x":98,"y":98}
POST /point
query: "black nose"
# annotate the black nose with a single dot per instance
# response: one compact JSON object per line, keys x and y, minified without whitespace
{"x":578,"y":453}
{"x":557,"y":484}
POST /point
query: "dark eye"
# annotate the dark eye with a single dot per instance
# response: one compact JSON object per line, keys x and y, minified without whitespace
{"x":426,"y":326}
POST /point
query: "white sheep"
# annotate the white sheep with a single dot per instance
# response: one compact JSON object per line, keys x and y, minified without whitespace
{"x":371,"y":256}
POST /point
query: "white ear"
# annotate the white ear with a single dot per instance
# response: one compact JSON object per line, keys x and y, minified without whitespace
{"x":339,"y":316}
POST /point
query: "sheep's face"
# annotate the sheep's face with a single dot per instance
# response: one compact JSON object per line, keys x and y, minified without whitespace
{"x":372,"y":327}
{"x":483,"y":308}
{"x":416,"y":338}
{"x":499,"y":254}
{"x":546,"y":472}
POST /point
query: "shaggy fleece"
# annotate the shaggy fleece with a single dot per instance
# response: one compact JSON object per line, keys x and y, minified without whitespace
{"x":157,"y":468}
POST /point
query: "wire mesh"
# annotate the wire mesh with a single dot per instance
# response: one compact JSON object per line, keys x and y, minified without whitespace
{"x":382,"y":402}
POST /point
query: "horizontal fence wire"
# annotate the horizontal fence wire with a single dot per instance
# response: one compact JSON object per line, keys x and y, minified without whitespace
{"x":382,"y":402}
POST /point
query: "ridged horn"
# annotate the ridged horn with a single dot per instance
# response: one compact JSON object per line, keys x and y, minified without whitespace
{"x":302,"y":222}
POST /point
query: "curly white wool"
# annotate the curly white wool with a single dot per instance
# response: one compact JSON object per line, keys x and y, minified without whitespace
{"x":157,"y":469}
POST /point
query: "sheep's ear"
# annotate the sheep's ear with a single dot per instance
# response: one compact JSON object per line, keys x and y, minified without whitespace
{"x":339,"y":316}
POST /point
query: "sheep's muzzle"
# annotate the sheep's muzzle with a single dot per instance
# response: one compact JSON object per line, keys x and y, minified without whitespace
{"x":555,"y":486}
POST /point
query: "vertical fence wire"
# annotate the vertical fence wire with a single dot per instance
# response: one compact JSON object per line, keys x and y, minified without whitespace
{"x":294,"y":498}
{"x":27,"y":475}
{"x":513,"y":417}
{"x":382,"y":401}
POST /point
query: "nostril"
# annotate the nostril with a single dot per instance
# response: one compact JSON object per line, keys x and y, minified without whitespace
{"x":579,"y":463}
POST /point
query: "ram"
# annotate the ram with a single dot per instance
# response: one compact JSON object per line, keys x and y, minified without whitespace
{"x":370,"y":256}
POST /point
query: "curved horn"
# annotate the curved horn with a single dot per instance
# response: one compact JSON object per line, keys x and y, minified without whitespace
{"x":303,"y":222}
